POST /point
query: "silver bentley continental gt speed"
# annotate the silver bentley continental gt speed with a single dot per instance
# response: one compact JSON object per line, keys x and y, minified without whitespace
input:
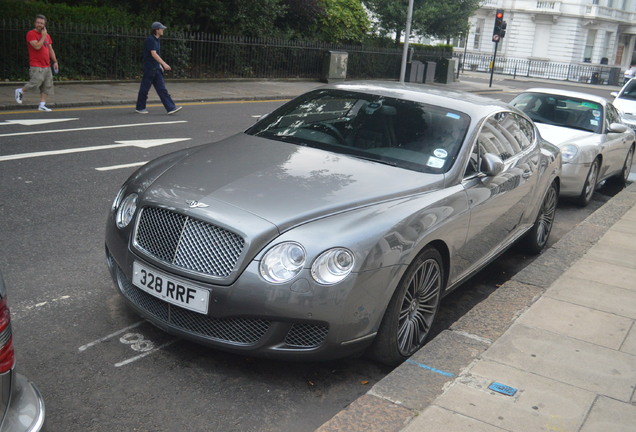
{"x":335,"y":224}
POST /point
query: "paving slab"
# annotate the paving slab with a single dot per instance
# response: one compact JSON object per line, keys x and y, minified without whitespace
{"x":539,"y":404}
{"x":611,"y":415}
{"x":435,"y":419}
{"x":582,"y":364}
{"x":604,"y":273}
{"x":629,"y":345}
{"x":604,"y":297}
{"x":578,"y":322}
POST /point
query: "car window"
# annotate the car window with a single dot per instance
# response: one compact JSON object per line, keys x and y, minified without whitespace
{"x":629,"y":91}
{"x":612,"y":115}
{"x":561,"y":111}
{"x":499,"y":136}
{"x":399,"y":132}
{"x":526,"y":129}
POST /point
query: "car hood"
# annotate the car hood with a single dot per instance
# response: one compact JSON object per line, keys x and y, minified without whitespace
{"x":559,"y":135}
{"x":282,"y":183}
{"x":625,"y":105}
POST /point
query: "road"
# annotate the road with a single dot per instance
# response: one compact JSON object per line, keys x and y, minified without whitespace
{"x":98,"y":365}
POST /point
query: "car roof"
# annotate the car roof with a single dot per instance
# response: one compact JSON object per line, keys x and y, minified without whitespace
{"x":469,"y":103}
{"x":558,"y":92}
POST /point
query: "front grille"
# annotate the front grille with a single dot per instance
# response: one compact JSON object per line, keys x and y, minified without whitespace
{"x":238,"y":331}
{"x":306,"y":335}
{"x":187,"y":243}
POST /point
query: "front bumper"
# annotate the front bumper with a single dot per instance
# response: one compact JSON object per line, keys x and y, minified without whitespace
{"x":292,"y":322}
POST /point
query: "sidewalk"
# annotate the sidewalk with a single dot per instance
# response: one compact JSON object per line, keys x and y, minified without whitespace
{"x":560,"y":338}
{"x":565,"y":363}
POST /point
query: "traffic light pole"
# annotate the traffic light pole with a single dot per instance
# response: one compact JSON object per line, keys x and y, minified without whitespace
{"x":492,"y":66}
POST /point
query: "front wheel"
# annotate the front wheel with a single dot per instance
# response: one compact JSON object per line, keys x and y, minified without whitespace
{"x":537,"y":237}
{"x":627,"y":167}
{"x":407,"y":321}
{"x":590,"y":184}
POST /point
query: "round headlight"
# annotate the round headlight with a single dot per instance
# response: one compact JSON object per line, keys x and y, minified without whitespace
{"x":332,"y":266}
{"x":569,"y":152}
{"x":283,"y":262}
{"x":126,"y":211}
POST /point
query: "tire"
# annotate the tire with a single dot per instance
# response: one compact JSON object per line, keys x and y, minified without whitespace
{"x":627,"y":167}
{"x":590,"y":185}
{"x":537,"y":237}
{"x":407,"y":321}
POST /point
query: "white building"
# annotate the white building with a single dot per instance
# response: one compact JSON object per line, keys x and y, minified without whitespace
{"x":568,"y":31}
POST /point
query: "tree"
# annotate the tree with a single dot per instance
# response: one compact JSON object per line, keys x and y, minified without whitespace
{"x":344,"y":21}
{"x":430,"y":17}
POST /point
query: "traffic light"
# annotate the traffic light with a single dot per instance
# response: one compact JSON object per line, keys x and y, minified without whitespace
{"x":499,"y":30}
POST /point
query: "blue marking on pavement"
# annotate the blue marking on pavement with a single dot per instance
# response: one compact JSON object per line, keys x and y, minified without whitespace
{"x":432,"y":369}
{"x":503,"y":389}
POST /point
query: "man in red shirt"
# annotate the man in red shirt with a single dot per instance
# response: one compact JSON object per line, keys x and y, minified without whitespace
{"x":41,"y":55}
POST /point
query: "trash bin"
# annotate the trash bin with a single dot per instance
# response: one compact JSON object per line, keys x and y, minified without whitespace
{"x":615,"y":76}
{"x":415,"y":72}
{"x":334,"y":66}
{"x":430,"y":72}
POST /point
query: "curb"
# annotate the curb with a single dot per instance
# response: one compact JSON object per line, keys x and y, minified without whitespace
{"x":393,"y":402}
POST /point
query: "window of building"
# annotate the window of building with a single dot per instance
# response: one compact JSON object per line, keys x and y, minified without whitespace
{"x":479,"y":28}
{"x":589,"y":46}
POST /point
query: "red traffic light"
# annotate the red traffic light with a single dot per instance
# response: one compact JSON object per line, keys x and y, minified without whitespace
{"x":499,"y":15}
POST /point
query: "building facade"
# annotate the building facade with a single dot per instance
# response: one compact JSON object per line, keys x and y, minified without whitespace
{"x":569,"y":31}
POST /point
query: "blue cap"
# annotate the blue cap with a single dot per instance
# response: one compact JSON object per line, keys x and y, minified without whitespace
{"x":157,"y":25}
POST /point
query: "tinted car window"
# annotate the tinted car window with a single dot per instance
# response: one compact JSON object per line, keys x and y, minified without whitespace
{"x":399,"y":132}
{"x":612,"y":115}
{"x":499,"y":136}
{"x":563,"y":111}
{"x":629,"y":92}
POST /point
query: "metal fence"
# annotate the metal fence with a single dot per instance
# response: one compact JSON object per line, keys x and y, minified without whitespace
{"x":587,"y":73}
{"x":94,"y":53}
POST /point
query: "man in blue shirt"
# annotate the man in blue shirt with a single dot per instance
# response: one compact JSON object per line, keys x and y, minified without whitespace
{"x":154,"y":66}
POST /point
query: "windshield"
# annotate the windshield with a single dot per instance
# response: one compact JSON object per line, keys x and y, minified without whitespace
{"x":562,"y":111}
{"x":397,"y":132}
{"x":629,"y":92}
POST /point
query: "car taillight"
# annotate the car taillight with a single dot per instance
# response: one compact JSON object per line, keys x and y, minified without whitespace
{"x":7,"y":356}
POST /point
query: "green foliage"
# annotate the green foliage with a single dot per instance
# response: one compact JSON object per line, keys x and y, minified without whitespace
{"x":344,"y":21}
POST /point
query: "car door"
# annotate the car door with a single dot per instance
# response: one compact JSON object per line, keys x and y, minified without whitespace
{"x":500,"y":204}
{"x":615,"y":145}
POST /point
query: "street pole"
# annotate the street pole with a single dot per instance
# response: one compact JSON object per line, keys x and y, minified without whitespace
{"x":407,"y":35}
{"x":492,"y":66}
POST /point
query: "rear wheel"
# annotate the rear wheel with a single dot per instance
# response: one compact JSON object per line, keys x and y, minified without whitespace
{"x":407,"y":321}
{"x":537,"y":237}
{"x":590,"y":184}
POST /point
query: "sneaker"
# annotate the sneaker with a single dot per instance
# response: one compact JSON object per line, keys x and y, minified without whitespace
{"x":176,"y":109}
{"x":44,"y":108}
{"x":18,"y":95}
{"x":143,"y":111}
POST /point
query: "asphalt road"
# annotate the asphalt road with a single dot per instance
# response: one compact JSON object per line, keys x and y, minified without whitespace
{"x":98,"y":365}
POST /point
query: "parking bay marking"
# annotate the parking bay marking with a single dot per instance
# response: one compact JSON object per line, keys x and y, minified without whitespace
{"x":136,"y":341}
{"x":118,"y":144}
{"x":32,"y":122}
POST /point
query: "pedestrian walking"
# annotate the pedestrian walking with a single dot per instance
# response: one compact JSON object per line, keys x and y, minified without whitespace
{"x":154,"y":67}
{"x":630,"y":73}
{"x":41,"y":56}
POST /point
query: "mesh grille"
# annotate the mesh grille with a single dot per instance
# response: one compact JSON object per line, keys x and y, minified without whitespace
{"x":188,"y":243}
{"x":306,"y":335}
{"x":238,"y":331}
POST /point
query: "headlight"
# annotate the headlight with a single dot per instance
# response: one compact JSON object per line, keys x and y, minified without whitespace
{"x":126,"y":211}
{"x":569,"y":152}
{"x":119,"y":197}
{"x":332,"y":266}
{"x":283,"y":262}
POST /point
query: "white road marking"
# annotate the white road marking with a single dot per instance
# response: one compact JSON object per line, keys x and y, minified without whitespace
{"x":134,"y":143}
{"x":110,"y":336}
{"x":114,"y":167}
{"x":32,"y":122}
{"x":147,"y":353}
{"x":92,"y":128}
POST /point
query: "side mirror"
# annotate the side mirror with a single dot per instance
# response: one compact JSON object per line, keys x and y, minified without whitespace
{"x":617,"y":128}
{"x":491,"y":165}
{"x":615,"y":94}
